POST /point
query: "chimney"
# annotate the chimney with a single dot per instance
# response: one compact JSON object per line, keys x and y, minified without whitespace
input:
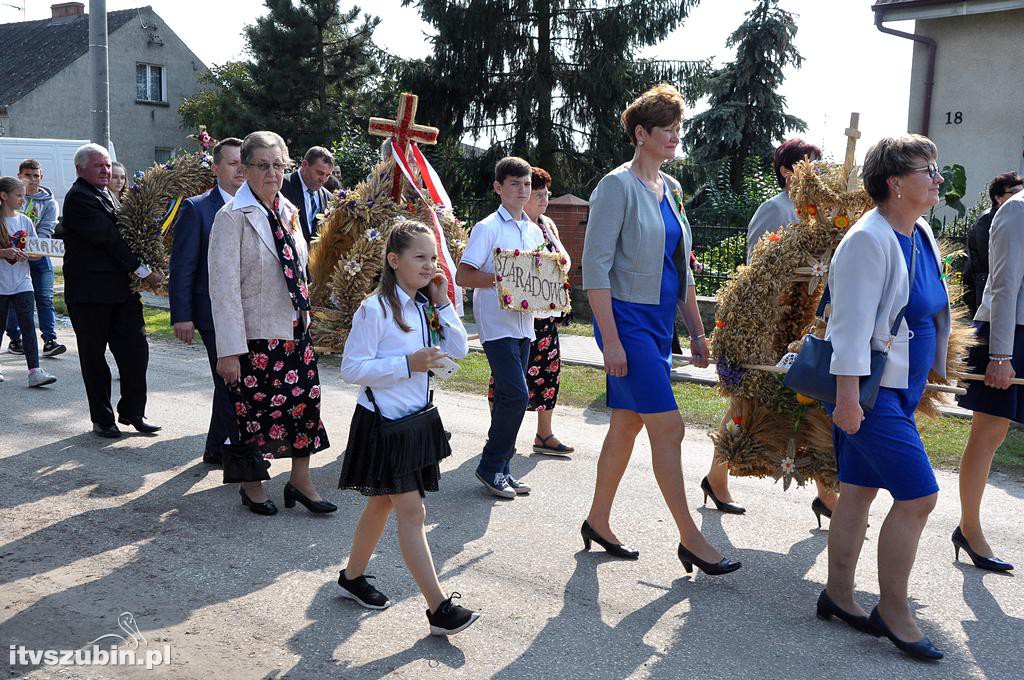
{"x":67,"y":9}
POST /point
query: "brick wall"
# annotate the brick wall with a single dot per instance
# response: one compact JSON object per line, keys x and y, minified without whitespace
{"x":569,"y":214}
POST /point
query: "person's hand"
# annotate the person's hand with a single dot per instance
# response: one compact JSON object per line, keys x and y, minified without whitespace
{"x":699,"y":351}
{"x":438,"y":289}
{"x":154,"y":279}
{"x":425,"y":359}
{"x":13,"y":254}
{"x":615,"y":360}
{"x":999,"y":374}
{"x":185,"y":331}
{"x":848,"y":415}
{"x":229,"y":369}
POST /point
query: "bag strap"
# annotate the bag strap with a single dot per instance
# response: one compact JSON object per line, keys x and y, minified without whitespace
{"x":826,"y":296}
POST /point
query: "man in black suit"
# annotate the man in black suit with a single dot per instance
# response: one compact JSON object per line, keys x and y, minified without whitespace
{"x":189,"y":285}
{"x":305,"y":188}
{"x":104,"y":311}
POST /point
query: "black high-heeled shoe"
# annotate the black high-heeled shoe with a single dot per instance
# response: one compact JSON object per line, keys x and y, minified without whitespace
{"x":722,"y":566}
{"x":980,"y":561}
{"x":923,"y":649}
{"x":827,"y":609}
{"x":819,"y":508}
{"x":291,"y":494}
{"x":613,"y":549}
{"x":721,"y":506}
{"x":267,"y":507}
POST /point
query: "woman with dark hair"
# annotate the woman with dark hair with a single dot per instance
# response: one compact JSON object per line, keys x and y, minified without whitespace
{"x":260,"y":303}
{"x":999,"y":354}
{"x":636,"y":268}
{"x":778,"y":212}
{"x":887,"y":292}
{"x":544,"y":372}
{"x":1001,"y":188}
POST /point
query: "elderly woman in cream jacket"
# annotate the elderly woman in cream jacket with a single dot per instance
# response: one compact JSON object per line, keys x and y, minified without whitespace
{"x":260,"y":301}
{"x":887,"y":265}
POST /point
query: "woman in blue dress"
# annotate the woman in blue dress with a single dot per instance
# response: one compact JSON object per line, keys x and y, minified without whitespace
{"x":635,"y":269}
{"x":887,"y":264}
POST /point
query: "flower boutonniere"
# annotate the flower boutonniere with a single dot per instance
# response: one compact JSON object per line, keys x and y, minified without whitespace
{"x":294,"y":221}
{"x":19,"y":240}
{"x":677,"y":195}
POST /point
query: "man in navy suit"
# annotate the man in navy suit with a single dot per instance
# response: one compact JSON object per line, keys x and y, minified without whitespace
{"x":305,"y":188}
{"x":189,"y":286}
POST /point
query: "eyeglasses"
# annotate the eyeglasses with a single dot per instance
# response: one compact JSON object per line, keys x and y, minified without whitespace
{"x":932,"y":169}
{"x":541,"y":193}
{"x":263,"y":167}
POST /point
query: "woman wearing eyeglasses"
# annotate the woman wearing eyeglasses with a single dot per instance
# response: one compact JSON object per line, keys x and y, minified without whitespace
{"x":260,"y":302}
{"x":885,"y":274}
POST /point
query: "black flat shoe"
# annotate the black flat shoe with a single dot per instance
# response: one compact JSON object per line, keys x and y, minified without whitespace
{"x":819,"y":508}
{"x":139,"y":423}
{"x":613,"y":549}
{"x":722,"y":566}
{"x":267,"y":507}
{"x":106,"y":431}
{"x":291,"y":494}
{"x":980,"y":561}
{"x":721,"y":506}
{"x":827,"y":609}
{"x":923,"y":649}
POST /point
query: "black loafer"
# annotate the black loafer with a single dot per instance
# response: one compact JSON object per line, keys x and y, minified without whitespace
{"x":139,"y":423}
{"x":106,"y":431}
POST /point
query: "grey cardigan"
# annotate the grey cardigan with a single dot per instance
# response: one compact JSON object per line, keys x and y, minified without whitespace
{"x":624,"y":247}
{"x":1002,"y":304}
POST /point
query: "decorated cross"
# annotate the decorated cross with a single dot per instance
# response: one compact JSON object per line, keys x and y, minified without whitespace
{"x":852,"y":135}
{"x":403,"y":130}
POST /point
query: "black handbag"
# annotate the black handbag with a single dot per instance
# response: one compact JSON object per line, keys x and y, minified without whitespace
{"x":411,"y":442}
{"x":244,"y":463}
{"x":810,"y":374}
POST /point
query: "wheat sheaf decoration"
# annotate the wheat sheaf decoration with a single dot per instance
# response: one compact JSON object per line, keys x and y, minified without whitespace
{"x":151,"y":205}
{"x":347,"y":255}
{"x":765,"y":310}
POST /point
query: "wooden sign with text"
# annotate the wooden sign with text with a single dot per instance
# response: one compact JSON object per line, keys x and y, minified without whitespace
{"x":531,"y":281}
{"x":51,"y":247}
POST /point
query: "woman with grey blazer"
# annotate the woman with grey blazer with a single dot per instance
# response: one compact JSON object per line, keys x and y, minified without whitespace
{"x":635,"y":269}
{"x":999,"y":325}
{"x":260,"y":302}
{"x":886,"y":273}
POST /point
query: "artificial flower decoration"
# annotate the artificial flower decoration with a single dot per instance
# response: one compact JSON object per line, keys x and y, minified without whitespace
{"x":841,"y":221}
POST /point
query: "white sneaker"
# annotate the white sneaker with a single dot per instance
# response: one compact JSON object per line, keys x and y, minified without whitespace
{"x":39,"y":377}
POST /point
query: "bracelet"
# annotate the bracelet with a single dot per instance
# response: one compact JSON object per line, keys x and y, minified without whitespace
{"x":697,"y":337}
{"x":999,"y":359}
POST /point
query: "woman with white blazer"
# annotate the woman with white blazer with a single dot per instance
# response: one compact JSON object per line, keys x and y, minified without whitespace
{"x":999,"y":325}
{"x":888,"y":261}
{"x":260,"y":302}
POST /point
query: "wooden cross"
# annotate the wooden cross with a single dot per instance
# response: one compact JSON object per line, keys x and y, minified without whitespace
{"x":852,"y":134}
{"x":403,"y":130}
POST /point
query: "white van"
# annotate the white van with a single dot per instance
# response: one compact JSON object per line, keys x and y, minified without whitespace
{"x":57,"y":156}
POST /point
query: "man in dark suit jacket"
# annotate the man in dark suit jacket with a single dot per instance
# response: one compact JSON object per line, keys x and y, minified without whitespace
{"x":189,"y":286}
{"x":305,"y":188}
{"x":104,"y":311}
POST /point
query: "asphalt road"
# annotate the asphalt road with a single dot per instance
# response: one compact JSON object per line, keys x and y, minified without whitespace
{"x":92,"y":528}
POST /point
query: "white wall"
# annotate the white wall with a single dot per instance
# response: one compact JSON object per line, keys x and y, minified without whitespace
{"x":57,"y":156}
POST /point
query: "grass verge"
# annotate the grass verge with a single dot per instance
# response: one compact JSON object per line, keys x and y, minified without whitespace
{"x":158,"y":321}
{"x":703,"y":406}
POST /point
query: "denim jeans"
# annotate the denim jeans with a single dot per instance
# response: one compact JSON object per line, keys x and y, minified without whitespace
{"x":509,"y":359}
{"x":21,"y":305}
{"x":42,"y":283}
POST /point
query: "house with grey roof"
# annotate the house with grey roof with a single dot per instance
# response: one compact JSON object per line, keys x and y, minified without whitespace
{"x":967,"y":85}
{"x":45,"y":85}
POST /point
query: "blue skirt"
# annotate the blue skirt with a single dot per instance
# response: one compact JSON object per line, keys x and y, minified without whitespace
{"x":646,"y":334}
{"x":1000,"y":403}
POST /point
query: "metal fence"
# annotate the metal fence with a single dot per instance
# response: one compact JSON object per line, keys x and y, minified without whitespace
{"x":720,"y":250}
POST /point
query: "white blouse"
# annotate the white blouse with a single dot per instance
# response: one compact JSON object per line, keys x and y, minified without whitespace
{"x":376,"y":351}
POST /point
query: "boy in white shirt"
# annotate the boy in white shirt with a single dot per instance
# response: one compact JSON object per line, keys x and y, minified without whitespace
{"x":506,"y":335}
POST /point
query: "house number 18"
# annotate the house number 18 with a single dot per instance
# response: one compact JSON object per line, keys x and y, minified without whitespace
{"x":954,"y":117}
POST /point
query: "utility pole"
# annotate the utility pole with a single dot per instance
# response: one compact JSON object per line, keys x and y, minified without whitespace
{"x":98,"y":69}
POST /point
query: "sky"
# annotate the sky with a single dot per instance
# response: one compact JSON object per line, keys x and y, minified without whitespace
{"x":849,"y":66}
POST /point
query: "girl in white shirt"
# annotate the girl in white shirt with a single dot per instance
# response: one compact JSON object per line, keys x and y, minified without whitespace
{"x":15,"y":276}
{"x":403,"y":330}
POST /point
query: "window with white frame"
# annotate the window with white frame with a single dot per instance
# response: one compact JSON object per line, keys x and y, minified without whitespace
{"x":150,"y":85}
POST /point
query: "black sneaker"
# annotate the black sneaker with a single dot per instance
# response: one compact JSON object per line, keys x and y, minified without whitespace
{"x":361,"y":591}
{"x":52,"y":348}
{"x":15,"y":347}
{"x":451,"y":618}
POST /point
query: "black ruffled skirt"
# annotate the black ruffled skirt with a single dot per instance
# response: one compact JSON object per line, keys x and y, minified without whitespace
{"x":375,"y":464}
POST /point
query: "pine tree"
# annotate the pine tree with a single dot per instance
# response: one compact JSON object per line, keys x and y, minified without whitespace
{"x":308,"y":62}
{"x":746,"y":115}
{"x":545,"y":79}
